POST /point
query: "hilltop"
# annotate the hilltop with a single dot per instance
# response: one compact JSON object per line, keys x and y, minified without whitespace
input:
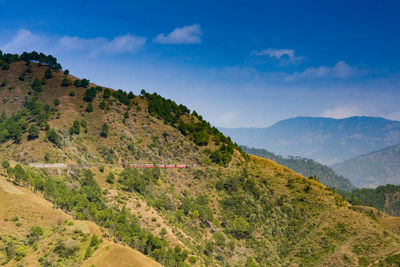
{"x":306,"y":167}
{"x":373,"y":169}
{"x":325,"y":140}
{"x":232,"y":209}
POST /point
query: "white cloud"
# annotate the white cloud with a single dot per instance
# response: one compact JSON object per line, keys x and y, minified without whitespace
{"x":187,"y":35}
{"x":123,"y":44}
{"x":227,"y":118}
{"x":25,"y":40}
{"x":341,"y":70}
{"x":283,"y":55}
{"x":342,"y":112}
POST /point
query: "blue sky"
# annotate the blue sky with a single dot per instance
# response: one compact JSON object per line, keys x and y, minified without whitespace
{"x":239,"y":63}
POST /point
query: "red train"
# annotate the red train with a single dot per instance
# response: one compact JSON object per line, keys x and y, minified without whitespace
{"x":163,"y":166}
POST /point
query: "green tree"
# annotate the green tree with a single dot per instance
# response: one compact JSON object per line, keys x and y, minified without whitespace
{"x":241,"y":228}
{"x":66,"y":82}
{"x":54,"y":137}
{"x":5,"y":164}
{"x":56,"y":102}
{"x":89,"y":108}
{"x":104,"y":130}
{"x":37,"y":85}
{"x":33,"y":132}
{"x":102,"y":105}
{"x":48,"y":74}
{"x":75,"y":128}
{"x":110,"y":178}
{"x":66,"y":72}
{"x":20,"y":174}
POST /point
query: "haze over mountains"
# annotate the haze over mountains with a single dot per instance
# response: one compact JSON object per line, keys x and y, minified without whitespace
{"x":326,"y":140}
{"x":372,"y":169}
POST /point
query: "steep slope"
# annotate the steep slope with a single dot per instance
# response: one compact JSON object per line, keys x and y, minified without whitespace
{"x":32,"y":232}
{"x":229,"y":209}
{"x":306,"y":167}
{"x":373,"y":169}
{"x":323,"y":139}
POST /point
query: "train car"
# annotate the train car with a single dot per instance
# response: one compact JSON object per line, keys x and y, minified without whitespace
{"x":148,"y":166}
{"x":181,"y":166}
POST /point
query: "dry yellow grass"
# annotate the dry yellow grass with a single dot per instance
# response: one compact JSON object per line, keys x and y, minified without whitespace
{"x":33,"y":210}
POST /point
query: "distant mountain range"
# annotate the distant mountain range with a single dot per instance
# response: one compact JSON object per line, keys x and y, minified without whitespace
{"x":306,"y":167}
{"x":326,"y":140}
{"x":373,"y":169}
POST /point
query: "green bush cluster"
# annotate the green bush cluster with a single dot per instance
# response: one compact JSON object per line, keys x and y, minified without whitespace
{"x":91,"y":93}
{"x":123,"y":97}
{"x":75,"y":128}
{"x":200,"y":131}
{"x":133,"y":180}
{"x":13,"y":127}
{"x":49,"y":60}
{"x":81,"y":83}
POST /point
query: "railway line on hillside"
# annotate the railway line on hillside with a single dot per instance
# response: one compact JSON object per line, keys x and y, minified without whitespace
{"x":132,"y":165}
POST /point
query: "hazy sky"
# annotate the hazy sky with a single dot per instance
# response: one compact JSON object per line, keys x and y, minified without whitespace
{"x":238,"y":63}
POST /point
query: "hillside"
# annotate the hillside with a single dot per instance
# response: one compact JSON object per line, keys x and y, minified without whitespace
{"x":325,"y":140}
{"x":29,"y":226}
{"x":306,"y":167}
{"x":230,"y":209}
{"x":373,"y":169}
{"x":385,"y":198}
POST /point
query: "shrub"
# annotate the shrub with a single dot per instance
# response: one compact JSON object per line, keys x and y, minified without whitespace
{"x":66,"y":82}
{"x":54,"y":137}
{"x":90,"y":94}
{"x":33,"y":132}
{"x":37,"y":85}
{"x":66,"y":72}
{"x":56,"y":102}
{"x":72,"y":93}
{"x":75,"y":128}
{"x":5,"y":164}
{"x":110,"y":178}
{"x":48,"y":74}
{"x":102,"y":105}
{"x":104,"y":130}
{"x":89,"y":108}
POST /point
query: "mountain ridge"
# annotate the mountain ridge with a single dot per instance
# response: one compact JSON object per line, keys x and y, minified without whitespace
{"x":373,"y":169}
{"x":326,"y":140}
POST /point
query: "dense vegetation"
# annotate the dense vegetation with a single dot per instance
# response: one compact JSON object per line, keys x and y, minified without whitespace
{"x":306,"y":167}
{"x":87,"y":201}
{"x":7,"y":59}
{"x":197,"y":129}
{"x":384,"y":198}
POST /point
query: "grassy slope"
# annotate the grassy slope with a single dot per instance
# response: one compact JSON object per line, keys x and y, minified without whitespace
{"x":32,"y":210}
{"x":306,"y":167}
{"x":293,"y":220}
